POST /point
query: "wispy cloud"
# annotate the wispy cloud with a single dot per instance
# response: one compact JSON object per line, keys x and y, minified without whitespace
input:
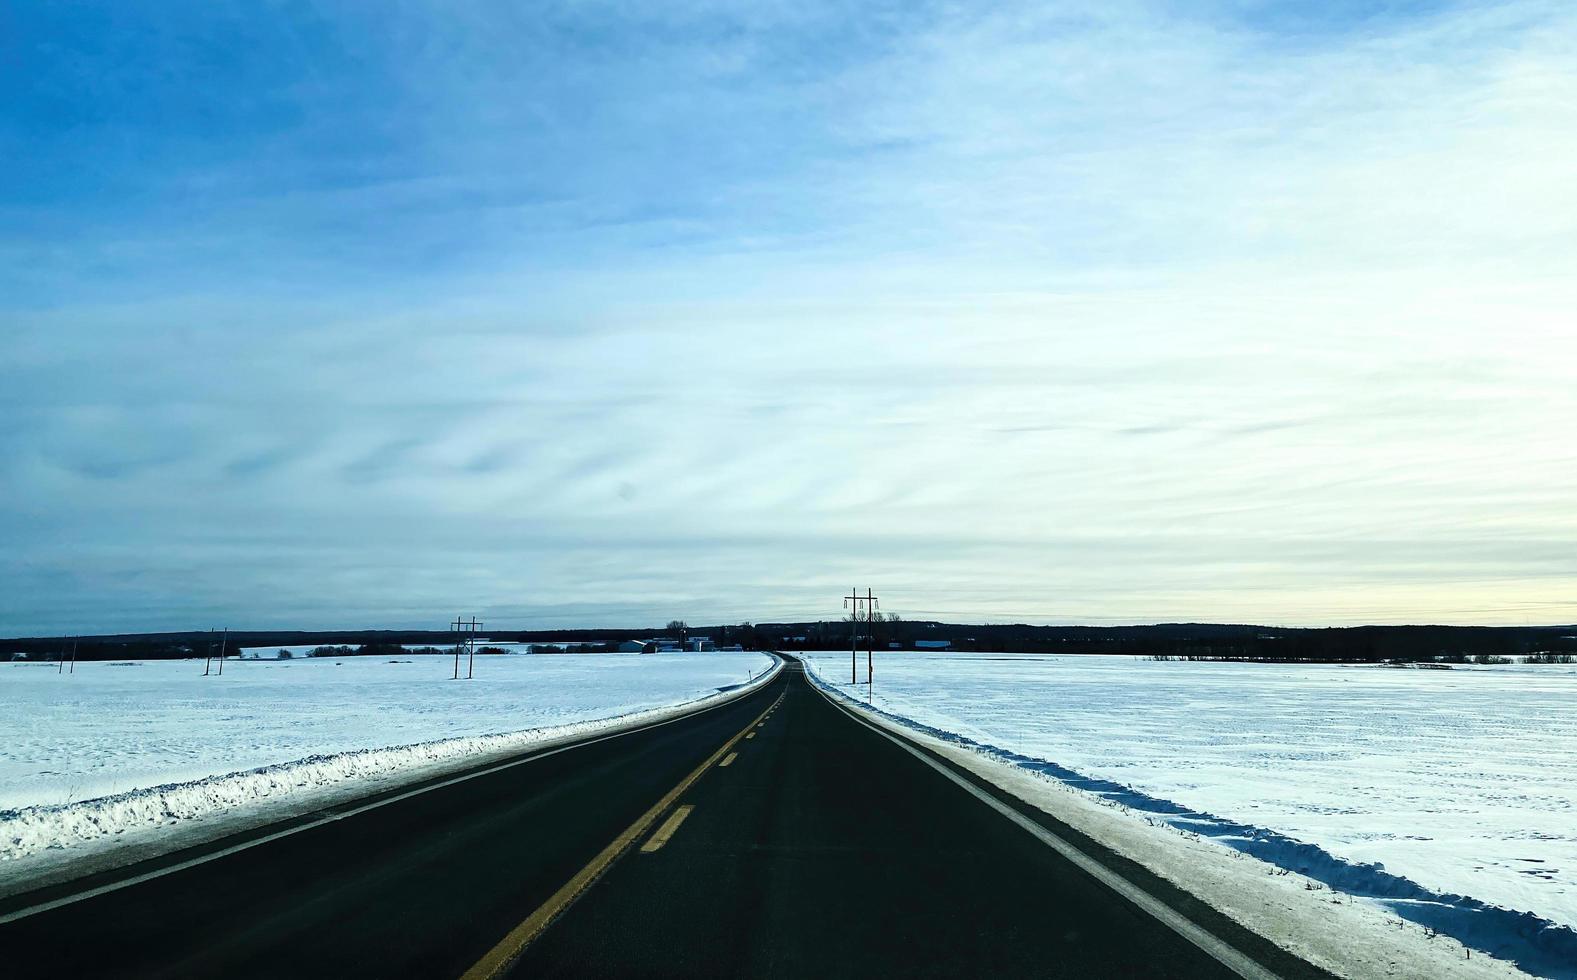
{"x":609,"y":313}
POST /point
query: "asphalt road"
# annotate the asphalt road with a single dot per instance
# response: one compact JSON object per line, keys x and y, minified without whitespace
{"x":808,"y":845}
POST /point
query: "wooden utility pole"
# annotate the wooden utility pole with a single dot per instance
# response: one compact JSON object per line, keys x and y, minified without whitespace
{"x":465,"y":632}
{"x":870,"y":640}
{"x":208,"y":658}
{"x":73,"y":669}
{"x":852,"y":603}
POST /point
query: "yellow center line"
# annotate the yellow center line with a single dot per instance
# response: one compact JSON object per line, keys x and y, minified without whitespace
{"x":728,"y":761}
{"x":499,"y":958}
{"x":667,"y":830}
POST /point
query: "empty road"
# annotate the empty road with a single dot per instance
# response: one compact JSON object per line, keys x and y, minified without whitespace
{"x":773,"y":836}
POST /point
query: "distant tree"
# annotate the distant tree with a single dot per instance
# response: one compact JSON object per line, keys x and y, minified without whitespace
{"x":677,"y":626}
{"x":1548,"y":657}
{"x":749,"y":637}
{"x":284,"y":655}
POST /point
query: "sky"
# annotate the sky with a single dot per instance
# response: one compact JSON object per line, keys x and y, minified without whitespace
{"x":606,"y":313}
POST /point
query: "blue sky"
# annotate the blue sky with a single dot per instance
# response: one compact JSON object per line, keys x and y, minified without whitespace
{"x":605,"y":313}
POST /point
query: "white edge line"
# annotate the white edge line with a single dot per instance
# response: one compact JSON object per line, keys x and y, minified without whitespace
{"x":329,"y":818}
{"x":1223,"y":952}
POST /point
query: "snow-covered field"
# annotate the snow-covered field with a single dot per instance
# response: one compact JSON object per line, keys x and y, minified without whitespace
{"x":116,"y":746}
{"x":1461,"y":781}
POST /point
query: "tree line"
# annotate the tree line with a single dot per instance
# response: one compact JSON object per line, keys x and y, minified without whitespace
{"x":1445,"y":644}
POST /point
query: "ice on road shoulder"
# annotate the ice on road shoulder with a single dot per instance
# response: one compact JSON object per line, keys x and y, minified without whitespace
{"x":1458,"y":780}
{"x":118,"y":746}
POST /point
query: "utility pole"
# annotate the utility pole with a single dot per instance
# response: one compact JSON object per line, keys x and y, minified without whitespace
{"x":851,"y":602}
{"x":465,"y":632}
{"x":60,"y":661}
{"x":223,"y":640}
{"x":208,"y":653}
{"x":870,"y":640}
{"x":73,"y":669}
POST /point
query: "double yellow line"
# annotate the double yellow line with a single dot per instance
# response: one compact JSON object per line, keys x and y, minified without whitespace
{"x":500,"y":957}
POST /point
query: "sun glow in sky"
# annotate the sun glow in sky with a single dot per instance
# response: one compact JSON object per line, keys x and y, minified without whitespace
{"x":606,"y":313}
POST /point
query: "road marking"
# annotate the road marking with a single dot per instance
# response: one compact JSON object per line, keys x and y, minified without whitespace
{"x":1221,"y":951}
{"x":667,"y":830}
{"x":332,"y":813}
{"x":499,"y":959}
{"x":728,"y":761}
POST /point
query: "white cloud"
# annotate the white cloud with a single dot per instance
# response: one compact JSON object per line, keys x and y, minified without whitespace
{"x":1109,"y":314}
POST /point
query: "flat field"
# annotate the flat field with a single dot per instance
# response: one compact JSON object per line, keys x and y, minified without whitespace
{"x":1463,"y":781}
{"x":112,"y":728}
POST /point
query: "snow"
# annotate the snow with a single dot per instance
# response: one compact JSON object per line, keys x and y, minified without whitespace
{"x":1345,"y":937}
{"x":126,"y":747}
{"x":1448,"y":796}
